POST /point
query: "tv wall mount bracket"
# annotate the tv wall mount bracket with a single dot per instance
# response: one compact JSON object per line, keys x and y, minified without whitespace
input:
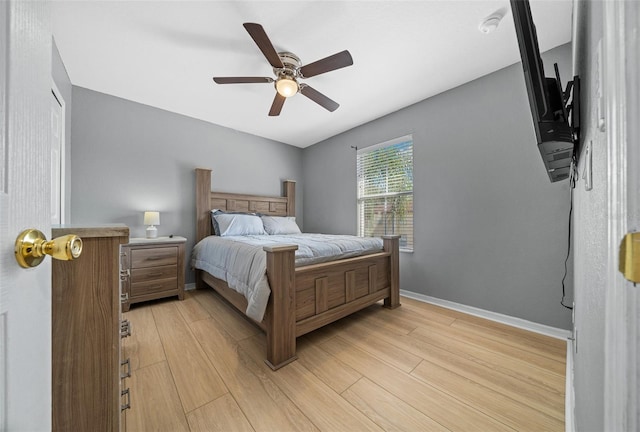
{"x":571,"y":105}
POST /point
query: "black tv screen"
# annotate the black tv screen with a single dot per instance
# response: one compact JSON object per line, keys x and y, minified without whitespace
{"x":553,"y":133}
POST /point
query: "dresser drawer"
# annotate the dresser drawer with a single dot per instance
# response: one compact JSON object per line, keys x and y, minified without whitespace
{"x":154,"y":286}
{"x":154,"y":257}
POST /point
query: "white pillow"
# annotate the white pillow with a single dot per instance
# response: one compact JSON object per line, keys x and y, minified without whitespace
{"x":275,"y":225}
{"x":230,"y":224}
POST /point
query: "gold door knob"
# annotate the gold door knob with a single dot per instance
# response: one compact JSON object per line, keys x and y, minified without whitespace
{"x":32,"y":246}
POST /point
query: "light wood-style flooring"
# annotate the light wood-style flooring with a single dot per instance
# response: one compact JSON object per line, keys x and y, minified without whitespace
{"x":198,"y":365}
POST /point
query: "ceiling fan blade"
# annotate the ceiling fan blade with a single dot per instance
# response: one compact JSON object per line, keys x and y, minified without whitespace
{"x":261,"y":39}
{"x":242,"y":80}
{"x":319,"y":98}
{"x":276,"y":106}
{"x":327,"y":64}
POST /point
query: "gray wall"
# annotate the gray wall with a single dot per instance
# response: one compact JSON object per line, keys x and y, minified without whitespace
{"x":127,"y":158}
{"x":590,"y":235}
{"x":61,"y":78}
{"x":490,"y":228}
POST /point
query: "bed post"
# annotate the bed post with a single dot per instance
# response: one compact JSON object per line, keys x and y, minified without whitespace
{"x":290,"y":193}
{"x":392,"y":244}
{"x":281,"y":310}
{"x":203,"y":206}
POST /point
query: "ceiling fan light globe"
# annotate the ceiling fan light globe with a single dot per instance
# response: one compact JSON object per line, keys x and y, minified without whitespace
{"x":287,"y":87}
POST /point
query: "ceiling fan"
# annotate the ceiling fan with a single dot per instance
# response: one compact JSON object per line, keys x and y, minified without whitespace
{"x":288,"y":71}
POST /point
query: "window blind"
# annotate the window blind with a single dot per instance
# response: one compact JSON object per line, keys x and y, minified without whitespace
{"x":385,"y":190}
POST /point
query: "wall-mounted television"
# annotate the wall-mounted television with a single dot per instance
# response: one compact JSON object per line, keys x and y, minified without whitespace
{"x":556,"y":137}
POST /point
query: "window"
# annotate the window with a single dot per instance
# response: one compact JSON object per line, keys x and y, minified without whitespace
{"x":385,"y":190}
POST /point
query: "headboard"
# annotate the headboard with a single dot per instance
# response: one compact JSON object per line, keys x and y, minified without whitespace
{"x":206,"y":200}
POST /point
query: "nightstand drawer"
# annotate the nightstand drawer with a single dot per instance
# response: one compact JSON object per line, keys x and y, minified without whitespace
{"x":154,"y":257}
{"x":153,"y":273}
{"x":154,"y":286}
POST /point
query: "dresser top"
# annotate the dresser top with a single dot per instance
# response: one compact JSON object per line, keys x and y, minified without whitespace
{"x":91,"y":230}
{"x":147,"y":241}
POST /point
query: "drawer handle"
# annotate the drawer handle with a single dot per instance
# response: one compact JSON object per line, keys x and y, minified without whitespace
{"x":156,"y":258}
{"x":127,"y":374}
{"x":154,"y":275}
{"x":125,"y":328}
{"x":126,"y":393}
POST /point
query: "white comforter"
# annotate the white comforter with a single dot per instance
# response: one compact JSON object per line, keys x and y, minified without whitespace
{"x":242,"y":263}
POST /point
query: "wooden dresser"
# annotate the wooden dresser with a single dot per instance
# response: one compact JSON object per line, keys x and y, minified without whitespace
{"x":155,"y":268}
{"x":86,"y":331}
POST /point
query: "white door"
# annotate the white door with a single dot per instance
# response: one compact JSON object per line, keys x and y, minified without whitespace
{"x":622,"y":320}
{"x":25,"y":295}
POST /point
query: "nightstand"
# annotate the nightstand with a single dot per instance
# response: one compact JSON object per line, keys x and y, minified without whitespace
{"x":152,"y":269}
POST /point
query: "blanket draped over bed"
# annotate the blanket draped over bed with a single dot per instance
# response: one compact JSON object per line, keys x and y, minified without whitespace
{"x":242,"y":263}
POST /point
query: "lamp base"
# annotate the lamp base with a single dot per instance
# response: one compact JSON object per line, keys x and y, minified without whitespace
{"x":152,"y":232}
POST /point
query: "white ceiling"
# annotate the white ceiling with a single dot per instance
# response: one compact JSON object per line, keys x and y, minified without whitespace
{"x":165,"y":53}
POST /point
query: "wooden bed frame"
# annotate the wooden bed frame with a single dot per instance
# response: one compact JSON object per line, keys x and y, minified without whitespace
{"x":304,"y":298}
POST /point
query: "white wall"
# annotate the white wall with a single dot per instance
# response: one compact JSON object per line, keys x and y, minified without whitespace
{"x":591,"y":242}
{"x":490,"y":229}
{"x":127,"y":158}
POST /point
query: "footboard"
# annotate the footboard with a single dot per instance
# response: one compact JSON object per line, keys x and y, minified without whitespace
{"x":310,"y":297}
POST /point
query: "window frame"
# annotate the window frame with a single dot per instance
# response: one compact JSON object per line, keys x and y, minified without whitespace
{"x":360,"y":200}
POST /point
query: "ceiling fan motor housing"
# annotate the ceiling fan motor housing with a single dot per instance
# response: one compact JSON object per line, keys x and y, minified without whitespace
{"x":291,"y":64}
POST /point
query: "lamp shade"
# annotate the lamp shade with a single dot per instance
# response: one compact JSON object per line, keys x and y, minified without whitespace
{"x":152,"y":218}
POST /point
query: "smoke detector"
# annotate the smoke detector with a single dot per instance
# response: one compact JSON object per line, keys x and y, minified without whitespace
{"x":491,"y":23}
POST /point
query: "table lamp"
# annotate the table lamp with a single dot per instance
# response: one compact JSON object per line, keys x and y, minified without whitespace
{"x":152,"y":218}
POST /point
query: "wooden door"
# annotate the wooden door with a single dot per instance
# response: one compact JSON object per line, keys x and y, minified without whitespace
{"x":25,"y":295}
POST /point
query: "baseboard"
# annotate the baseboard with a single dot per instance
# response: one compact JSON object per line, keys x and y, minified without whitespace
{"x":493,"y":316}
{"x":189,"y":286}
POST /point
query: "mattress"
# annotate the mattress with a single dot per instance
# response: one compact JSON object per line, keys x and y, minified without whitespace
{"x":242,"y":263}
